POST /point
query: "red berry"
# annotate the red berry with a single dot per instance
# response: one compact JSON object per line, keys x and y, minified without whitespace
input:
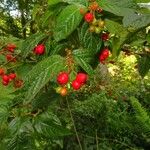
{"x":105,"y":36}
{"x":5,"y":83}
{"x":76,"y":85}
{"x":18,"y":83}
{"x":101,"y":58}
{"x":63,"y":78}
{"x":81,"y":78}
{"x":12,"y":76}
{"x":39,"y":49}
{"x":2,"y":71}
{"x":10,"y":58}
{"x":105,"y":53}
{"x":5,"y":78}
{"x":89,"y":17}
{"x":11,"y":47}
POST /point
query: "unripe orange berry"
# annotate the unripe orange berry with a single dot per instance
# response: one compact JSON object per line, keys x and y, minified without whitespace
{"x":82,"y":11}
{"x":2,"y":71}
{"x":63,"y":91}
{"x":94,"y":6}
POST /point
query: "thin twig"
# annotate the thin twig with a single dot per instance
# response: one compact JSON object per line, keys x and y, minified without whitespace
{"x":74,"y":124}
{"x":97,"y":141}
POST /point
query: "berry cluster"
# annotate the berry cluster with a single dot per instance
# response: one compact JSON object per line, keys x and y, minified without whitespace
{"x":95,"y":25}
{"x":9,"y":52}
{"x":39,"y":49}
{"x":63,"y":79}
{"x":6,"y":78}
{"x":79,"y":81}
{"x":11,"y":47}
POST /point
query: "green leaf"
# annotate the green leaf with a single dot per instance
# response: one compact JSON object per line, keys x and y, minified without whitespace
{"x":53,"y":2}
{"x":21,"y":132}
{"x":41,"y":74}
{"x":121,"y":32}
{"x":117,"y":7}
{"x":23,"y":68}
{"x":2,"y":59}
{"x":4,"y":114}
{"x":57,"y":48}
{"x":48,"y":125}
{"x":84,"y":65}
{"x":21,"y":142}
{"x":144,"y":65}
{"x":141,"y":116}
{"x":85,"y":54}
{"x":136,"y":20}
{"x":89,"y":40}
{"x":29,"y":44}
{"x":5,"y":94}
{"x":67,"y":22}
{"x":142,"y":1}
{"x":45,"y":20}
{"x":82,"y":2}
{"x":20,"y":125}
{"x":137,"y":42}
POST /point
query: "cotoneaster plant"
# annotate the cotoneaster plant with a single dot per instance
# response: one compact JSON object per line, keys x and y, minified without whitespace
{"x":60,"y":61}
{"x":63,"y":80}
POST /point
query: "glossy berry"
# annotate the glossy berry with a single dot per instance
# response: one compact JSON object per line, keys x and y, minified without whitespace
{"x":11,"y":47}
{"x":105,"y":36}
{"x":89,"y":17}
{"x":5,"y":83}
{"x":105,"y":52}
{"x":63,"y":78}
{"x":104,"y":55}
{"x":81,"y":78}
{"x":101,"y":58}
{"x":18,"y":83}
{"x":12,"y":76}
{"x":63,"y":91}
{"x":2,"y":71}
{"x":39,"y":49}
{"x":5,"y":78}
{"x":10,"y":58}
{"x":76,"y":85}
